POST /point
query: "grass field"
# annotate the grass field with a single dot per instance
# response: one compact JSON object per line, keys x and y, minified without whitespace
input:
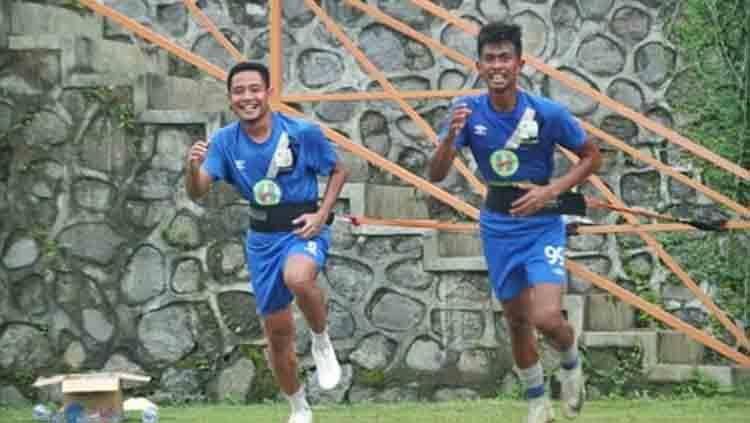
{"x":718,"y":410}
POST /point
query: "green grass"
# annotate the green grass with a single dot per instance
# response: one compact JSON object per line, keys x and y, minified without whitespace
{"x":718,"y":410}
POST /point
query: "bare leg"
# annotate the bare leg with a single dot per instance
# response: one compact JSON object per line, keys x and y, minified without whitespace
{"x":522,"y":338}
{"x":279,"y":330}
{"x":546,"y":316}
{"x":301,"y":277}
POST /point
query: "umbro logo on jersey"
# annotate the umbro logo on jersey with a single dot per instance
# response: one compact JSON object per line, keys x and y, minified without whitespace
{"x":480,"y":130}
{"x":239,"y":164}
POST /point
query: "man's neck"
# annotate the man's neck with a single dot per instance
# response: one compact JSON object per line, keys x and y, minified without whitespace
{"x":259,"y":131}
{"x":504,"y":101}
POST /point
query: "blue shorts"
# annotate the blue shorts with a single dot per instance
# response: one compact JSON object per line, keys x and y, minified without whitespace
{"x":267,"y":254}
{"x":522,"y":252}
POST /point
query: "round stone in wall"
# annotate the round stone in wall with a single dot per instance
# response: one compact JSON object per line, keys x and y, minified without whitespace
{"x":459,"y":40}
{"x":166,"y":333}
{"x":46,"y":128}
{"x":620,"y":127}
{"x":577,"y":103}
{"x":409,"y":274}
{"x":493,"y":10}
{"x":654,"y":62}
{"x":451,"y":80}
{"x":384,"y":48}
{"x":601,"y":55}
{"x":337,"y":111}
{"x":341,"y":321}
{"x":627,"y":93}
{"x":425,"y":355}
{"x":21,"y":253}
{"x":24,"y":346}
{"x":239,"y":314}
{"x":390,"y":310}
{"x":631,"y":24}
{"x":348,"y":278}
{"x":373,"y":129}
{"x":145,"y":275}
{"x":595,"y":9}
{"x":565,"y":18}
{"x":641,"y":188}
{"x":93,"y":241}
{"x":318,"y":68}
{"x":97,"y":325}
{"x":207,"y":47}
{"x":535,"y":32}
{"x":373,"y":352}
{"x":93,"y":194}
{"x":187,"y":276}
{"x":183,"y":231}
{"x":296,"y":13}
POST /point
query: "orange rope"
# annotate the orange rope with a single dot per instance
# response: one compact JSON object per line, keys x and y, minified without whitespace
{"x":636,"y":117}
{"x":373,"y":71}
{"x":407,"y":176}
{"x":210,"y":27}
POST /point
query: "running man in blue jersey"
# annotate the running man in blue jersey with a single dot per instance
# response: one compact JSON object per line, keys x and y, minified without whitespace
{"x":274,"y":161}
{"x":512,"y":135}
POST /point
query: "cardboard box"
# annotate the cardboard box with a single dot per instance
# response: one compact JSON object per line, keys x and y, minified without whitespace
{"x":99,"y":393}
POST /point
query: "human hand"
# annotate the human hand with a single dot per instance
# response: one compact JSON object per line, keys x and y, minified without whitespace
{"x":311,"y":223}
{"x":197,"y":154}
{"x":533,"y":201}
{"x":461,"y":112}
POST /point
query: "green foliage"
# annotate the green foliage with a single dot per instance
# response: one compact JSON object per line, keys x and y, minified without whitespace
{"x":116,"y":104}
{"x":700,"y":386}
{"x":626,"y":379}
{"x":714,"y":41}
{"x":372,"y":378}
{"x":264,"y":386}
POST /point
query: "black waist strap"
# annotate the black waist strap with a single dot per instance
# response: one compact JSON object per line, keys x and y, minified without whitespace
{"x":500,"y":198}
{"x":279,"y":218}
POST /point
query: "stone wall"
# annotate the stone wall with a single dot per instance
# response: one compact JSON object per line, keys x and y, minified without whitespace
{"x":106,"y":264}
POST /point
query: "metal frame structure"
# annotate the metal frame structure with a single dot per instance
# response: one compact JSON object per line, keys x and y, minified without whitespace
{"x":279,"y":102}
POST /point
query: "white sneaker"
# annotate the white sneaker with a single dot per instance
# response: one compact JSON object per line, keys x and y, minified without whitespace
{"x":303,"y":415}
{"x":572,"y":391}
{"x":540,"y":411}
{"x":329,"y":370}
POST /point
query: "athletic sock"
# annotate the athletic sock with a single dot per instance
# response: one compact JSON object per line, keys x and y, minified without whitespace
{"x":297,"y":400}
{"x":533,"y":379}
{"x":569,"y":357}
{"x":320,"y":338}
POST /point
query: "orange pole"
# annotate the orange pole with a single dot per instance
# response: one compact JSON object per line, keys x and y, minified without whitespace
{"x":667,"y":259}
{"x":149,"y":35}
{"x":391,"y":90}
{"x":214,"y":30}
{"x":636,"y":117}
{"x":658,"y":313}
{"x":277,"y":58}
{"x":376,"y":95}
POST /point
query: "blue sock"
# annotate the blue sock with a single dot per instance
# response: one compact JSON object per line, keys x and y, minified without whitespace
{"x":569,"y":357}
{"x":533,"y":379}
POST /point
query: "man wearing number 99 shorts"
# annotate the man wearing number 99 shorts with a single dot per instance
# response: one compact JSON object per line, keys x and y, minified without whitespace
{"x":512,"y":135}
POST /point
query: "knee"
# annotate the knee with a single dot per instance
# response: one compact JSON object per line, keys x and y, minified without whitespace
{"x":519,"y":325}
{"x":548,"y":320}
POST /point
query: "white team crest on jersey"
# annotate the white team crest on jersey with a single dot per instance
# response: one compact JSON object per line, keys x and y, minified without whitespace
{"x":239,"y":164}
{"x":480,"y":130}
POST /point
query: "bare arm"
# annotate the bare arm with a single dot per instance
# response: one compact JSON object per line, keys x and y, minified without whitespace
{"x":197,"y":181}
{"x":313,"y":222}
{"x":535,"y":198}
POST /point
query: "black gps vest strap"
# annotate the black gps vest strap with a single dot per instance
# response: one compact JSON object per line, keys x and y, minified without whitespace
{"x":279,"y":218}
{"x":500,"y":198}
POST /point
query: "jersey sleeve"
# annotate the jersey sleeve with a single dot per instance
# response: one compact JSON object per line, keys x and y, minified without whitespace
{"x":320,"y":155}
{"x":566,"y":130}
{"x":215,"y":164}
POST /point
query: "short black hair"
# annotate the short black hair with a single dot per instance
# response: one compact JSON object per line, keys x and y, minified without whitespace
{"x":249,"y":67}
{"x":496,"y":32}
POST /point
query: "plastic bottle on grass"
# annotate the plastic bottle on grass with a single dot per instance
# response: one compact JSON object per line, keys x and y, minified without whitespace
{"x":150,"y":415}
{"x":41,"y":413}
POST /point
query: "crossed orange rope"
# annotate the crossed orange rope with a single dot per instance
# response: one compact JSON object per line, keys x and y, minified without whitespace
{"x":458,"y":204}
